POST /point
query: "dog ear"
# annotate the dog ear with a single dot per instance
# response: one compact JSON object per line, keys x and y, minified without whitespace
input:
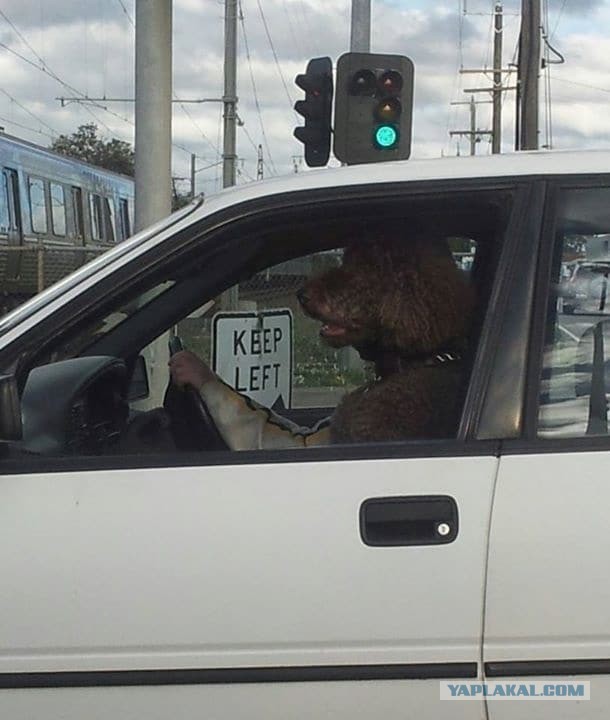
{"x":426,"y":301}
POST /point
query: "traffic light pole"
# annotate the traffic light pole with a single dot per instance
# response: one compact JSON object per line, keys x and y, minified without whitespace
{"x":360,"y":39}
{"x":229,"y":155}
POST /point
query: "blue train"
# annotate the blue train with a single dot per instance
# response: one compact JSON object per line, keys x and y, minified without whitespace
{"x":55,"y":214}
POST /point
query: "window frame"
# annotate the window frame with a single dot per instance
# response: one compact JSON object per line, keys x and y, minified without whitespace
{"x":38,"y":179}
{"x":96,"y":217}
{"x":211,"y":228}
{"x":530,"y":441}
{"x":56,"y":184}
{"x":5,"y":202}
{"x":125,"y":220}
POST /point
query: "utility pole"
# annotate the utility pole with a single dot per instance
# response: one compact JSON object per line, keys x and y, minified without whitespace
{"x":229,"y":155}
{"x":153,"y":111}
{"x":259,"y":164}
{"x":360,"y":38}
{"x":528,"y":72}
{"x":473,"y":134}
{"x":496,"y":128}
{"x":193,"y":159}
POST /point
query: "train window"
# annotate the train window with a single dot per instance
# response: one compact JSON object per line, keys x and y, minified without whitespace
{"x":77,"y":208}
{"x":108,"y":219}
{"x":124,"y":215}
{"x":58,"y":209}
{"x":4,"y":215}
{"x":97,"y":219}
{"x":38,"y":210}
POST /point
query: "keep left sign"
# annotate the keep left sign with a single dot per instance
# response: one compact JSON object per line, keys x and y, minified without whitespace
{"x":252,"y":352}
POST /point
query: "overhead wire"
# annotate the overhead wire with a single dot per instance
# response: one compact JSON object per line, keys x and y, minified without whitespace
{"x":66,"y":85}
{"x":548,"y":121}
{"x":131,"y":20}
{"x":44,"y":67}
{"x":30,"y":113}
{"x":256,"y":101}
{"x":275,"y":57}
{"x":457,"y":81}
{"x":559,"y":14}
{"x":182,"y":106}
{"x":27,"y":127}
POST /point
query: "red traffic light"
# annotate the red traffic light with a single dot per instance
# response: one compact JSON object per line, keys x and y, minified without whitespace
{"x":390,"y":82}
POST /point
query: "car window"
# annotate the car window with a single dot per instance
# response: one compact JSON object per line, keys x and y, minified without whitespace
{"x":230,"y":332}
{"x":576,"y":365}
{"x":299,"y":321}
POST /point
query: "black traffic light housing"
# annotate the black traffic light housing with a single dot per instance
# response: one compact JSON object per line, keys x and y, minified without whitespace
{"x":316,"y":109}
{"x":373,"y":108}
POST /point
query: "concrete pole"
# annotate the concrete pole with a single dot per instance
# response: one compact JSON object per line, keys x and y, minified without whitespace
{"x":496,"y":130}
{"x":229,"y":155}
{"x":153,"y":111}
{"x":193,"y":159}
{"x":153,"y":151}
{"x":529,"y":70}
{"x":473,"y":126}
{"x":360,"y":39}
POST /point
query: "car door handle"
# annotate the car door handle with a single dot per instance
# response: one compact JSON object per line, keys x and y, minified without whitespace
{"x":409,"y":520}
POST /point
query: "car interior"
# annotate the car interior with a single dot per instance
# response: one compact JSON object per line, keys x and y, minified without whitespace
{"x":83,"y":390}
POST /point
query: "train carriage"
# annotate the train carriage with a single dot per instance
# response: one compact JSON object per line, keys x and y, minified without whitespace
{"x":55,"y":214}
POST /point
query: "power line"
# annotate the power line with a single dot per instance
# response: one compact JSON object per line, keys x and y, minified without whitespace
{"x":45,"y":69}
{"x":561,"y":9}
{"x":131,"y":21}
{"x":66,"y":85}
{"x":277,"y":62}
{"x":580,"y":84}
{"x":27,"y":127}
{"x":256,"y":102}
{"x":29,"y":112}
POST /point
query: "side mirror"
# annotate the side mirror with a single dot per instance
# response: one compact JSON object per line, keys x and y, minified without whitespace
{"x":10,"y":409}
{"x":139,"y":387}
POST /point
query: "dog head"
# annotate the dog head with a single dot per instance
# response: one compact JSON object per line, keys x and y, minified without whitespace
{"x":407,"y":295}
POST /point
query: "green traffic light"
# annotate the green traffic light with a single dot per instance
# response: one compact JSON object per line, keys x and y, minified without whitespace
{"x":386,"y":136}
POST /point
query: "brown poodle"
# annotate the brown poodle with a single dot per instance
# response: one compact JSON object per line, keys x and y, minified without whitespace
{"x":404,"y":305}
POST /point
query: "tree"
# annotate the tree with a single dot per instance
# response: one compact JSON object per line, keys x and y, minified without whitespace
{"x":86,"y":145}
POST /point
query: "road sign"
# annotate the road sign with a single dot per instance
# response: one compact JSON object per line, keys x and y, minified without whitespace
{"x":252,"y":352}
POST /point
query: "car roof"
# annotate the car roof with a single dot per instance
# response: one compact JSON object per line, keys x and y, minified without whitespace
{"x":522,"y":164}
{"x":531,"y":163}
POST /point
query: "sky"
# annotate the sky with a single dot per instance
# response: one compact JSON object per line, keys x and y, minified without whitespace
{"x":85,"y":48}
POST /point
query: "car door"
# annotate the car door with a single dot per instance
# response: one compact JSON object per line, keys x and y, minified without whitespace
{"x":548,"y":593}
{"x":259,"y":584}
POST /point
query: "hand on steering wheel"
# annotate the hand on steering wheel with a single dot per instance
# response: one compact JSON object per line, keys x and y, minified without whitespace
{"x":193,"y":427}
{"x":187,"y":369}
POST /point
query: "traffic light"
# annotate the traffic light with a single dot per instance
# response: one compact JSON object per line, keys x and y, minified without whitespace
{"x":373,"y":108}
{"x":316,"y":109}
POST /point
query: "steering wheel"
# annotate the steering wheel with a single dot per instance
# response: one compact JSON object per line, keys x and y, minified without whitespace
{"x":192,"y":427}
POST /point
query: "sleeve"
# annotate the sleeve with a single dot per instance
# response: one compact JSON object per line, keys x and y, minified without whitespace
{"x":246,"y":425}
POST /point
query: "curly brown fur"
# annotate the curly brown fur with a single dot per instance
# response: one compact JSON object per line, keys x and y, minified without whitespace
{"x":398,"y":302}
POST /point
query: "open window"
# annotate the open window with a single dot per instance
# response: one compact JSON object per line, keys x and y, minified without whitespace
{"x":230,"y":294}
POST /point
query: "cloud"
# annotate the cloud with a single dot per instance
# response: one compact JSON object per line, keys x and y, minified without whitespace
{"x":90,"y":45}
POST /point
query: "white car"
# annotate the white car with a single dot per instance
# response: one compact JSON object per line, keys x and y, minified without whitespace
{"x":148,"y":580}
